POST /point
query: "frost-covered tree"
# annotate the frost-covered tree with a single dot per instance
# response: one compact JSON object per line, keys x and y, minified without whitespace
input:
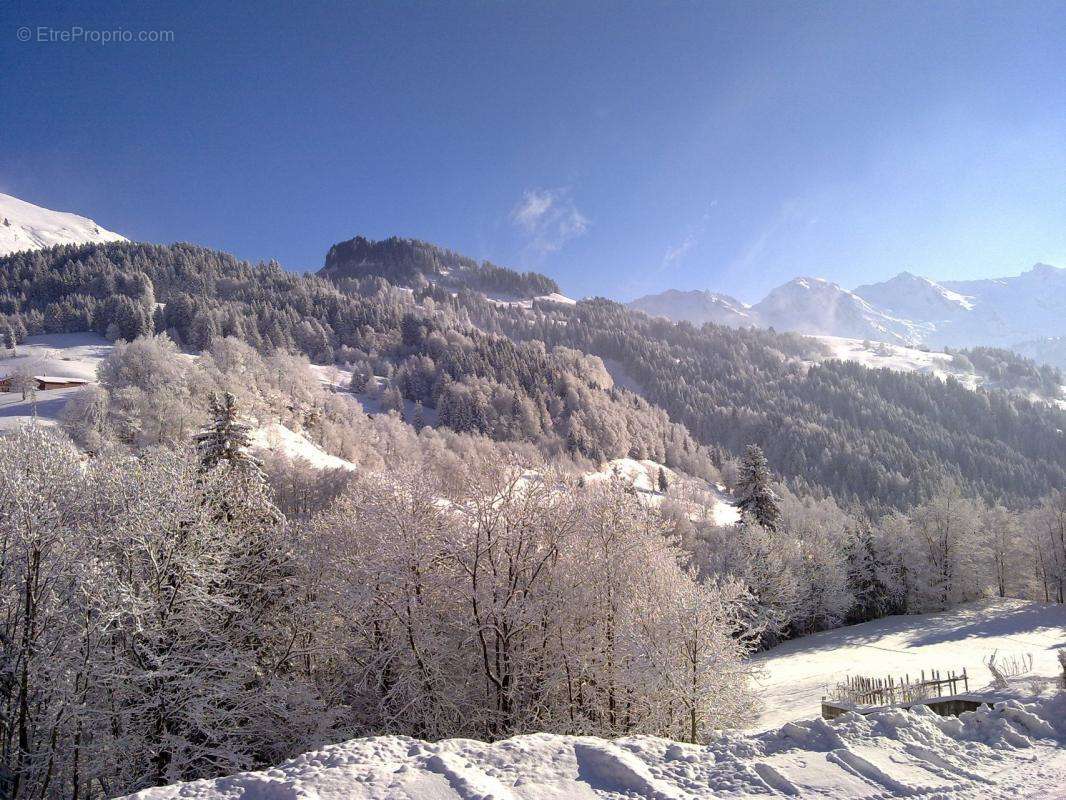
{"x":1046,"y":533}
{"x":871,"y":598}
{"x":696,"y":645}
{"x":755,"y":495}
{"x":85,"y":417}
{"x":1000,"y":534}
{"x":227,"y":439}
{"x":22,"y":379}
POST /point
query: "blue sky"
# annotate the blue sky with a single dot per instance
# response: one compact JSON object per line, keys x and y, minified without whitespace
{"x":622,"y":148}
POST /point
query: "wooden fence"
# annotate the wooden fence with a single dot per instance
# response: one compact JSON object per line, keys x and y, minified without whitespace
{"x":895,"y":690}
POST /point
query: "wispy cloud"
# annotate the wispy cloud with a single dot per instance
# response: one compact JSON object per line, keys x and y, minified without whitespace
{"x":676,"y":252}
{"x":789,"y":222}
{"x":549,"y":218}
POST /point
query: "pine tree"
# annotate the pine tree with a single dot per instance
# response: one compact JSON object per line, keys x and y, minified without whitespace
{"x":755,"y":496}
{"x":360,"y":378}
{"x":871,"y":595}
{"x":226,"y":438}
{"x":419,"y":420}
{"x":664,"y":483}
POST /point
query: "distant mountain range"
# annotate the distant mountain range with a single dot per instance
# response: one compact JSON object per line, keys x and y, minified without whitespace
{"x":1027,"y":311}
{"x":24,"y":226}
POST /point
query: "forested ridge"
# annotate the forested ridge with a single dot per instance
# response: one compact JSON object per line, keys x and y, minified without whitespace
{"x":413,"y":262}
{"x":873,"y":438}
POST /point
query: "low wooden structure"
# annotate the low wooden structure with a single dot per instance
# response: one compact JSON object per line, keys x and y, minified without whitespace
{"x":946,"y":695}
{"x":944,"y":706}
{"x":46,"y":382}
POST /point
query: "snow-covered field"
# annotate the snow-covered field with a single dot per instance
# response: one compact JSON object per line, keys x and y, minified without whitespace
{"x":796,"y":673}
{"x":553,"y":297}
{"x":880,"y":355}
{"x":67,"y":355}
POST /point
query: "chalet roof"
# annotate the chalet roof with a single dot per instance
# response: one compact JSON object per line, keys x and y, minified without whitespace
{"x":59,"y":379}
{"x":51,"y":378}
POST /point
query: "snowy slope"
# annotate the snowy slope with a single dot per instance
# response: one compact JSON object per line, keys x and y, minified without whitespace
{"x":796,"y":673}
{"x":696,"y":496}
{"x":881,"y":355}
{"x":1008,"y":751}
{"x":24,"y":226}
{"x":276,"y":438}
{"x":553,"y":297}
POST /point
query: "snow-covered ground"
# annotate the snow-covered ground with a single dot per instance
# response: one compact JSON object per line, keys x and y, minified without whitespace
{"x":1014,"y":749}
{"x":1010,"y":751}
{"x":553,"y":297}
{"x":67,"y":355}
{"x":797,"y":673}
{"x":70,"y":355}
{"x":880,"y":355}
{"x":24,"y":226}
{"x":701,"y":497}
{"x":276,"y":438}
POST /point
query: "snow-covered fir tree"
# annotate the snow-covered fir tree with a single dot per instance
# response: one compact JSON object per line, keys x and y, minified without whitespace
{"x":226,"y":438}
{"x":755,"y":497}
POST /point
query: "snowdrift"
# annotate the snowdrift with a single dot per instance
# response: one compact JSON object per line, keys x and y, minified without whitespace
{"x":993,"y":752}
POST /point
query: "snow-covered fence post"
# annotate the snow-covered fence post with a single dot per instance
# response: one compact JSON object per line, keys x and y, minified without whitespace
{"x":1062,"y":661}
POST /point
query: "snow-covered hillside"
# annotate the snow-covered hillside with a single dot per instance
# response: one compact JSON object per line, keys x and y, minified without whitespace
{"x":24,"y":226}
{"x":552,"y":297}
{"x":276,"y":438}
{"x":696,"y":307}
{"x":696,"y":496}
{"x":881,"y":355}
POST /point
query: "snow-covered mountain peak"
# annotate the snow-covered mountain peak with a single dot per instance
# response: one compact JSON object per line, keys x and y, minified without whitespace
{"x":819,"y":306}
{"x":696,"y":306}
{"x":25,"y":226}
{"x":915,"y":297}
